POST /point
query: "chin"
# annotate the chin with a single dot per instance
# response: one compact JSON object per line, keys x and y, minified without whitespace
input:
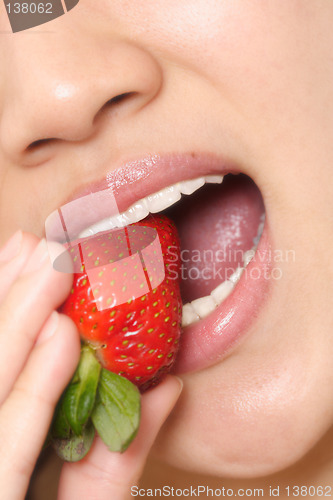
{"x":242,"y":428}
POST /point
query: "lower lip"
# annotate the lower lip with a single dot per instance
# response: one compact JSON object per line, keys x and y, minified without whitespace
{"x":210,"y":340}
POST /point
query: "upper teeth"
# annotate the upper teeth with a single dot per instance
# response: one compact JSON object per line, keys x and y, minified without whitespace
{"x":151,"y":204}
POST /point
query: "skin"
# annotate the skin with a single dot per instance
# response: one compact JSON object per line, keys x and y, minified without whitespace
{"x":251,"y":80}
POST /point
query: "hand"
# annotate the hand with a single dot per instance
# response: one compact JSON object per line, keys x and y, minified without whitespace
{"x":39,"y":351}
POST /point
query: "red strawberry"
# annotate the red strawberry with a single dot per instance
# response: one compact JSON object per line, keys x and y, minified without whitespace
{"x":126,"y":304}
{"x":125,"y":299}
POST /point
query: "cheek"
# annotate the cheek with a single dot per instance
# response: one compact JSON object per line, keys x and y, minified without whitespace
{"x":247,"y":418}
{"x":25,"y":201}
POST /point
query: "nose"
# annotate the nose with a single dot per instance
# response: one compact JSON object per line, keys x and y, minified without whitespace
{"x":59,"y":86}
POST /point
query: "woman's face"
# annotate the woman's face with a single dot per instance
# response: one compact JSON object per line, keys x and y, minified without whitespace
{"x":246,"y":84}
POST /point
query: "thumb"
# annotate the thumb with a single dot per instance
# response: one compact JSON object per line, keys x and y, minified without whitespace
{"x":103,"y":474}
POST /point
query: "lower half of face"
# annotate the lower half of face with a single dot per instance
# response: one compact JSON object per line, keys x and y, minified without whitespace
{"x":245,"y":91}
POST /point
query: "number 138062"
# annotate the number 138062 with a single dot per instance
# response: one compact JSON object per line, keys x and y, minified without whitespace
{"x":29,"y":8}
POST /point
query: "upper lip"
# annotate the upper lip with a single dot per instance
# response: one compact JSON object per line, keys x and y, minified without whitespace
{"x":132,"y":181}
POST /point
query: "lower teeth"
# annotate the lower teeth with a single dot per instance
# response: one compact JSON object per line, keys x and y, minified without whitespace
{"x":202,"y":307}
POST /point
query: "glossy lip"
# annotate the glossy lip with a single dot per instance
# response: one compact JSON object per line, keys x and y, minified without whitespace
{"x":212,"y":339}
{"x":136,"y":179}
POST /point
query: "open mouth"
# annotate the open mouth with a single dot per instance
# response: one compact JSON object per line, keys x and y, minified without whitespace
{"x":220,"y":221}
{"x":224,"y":236}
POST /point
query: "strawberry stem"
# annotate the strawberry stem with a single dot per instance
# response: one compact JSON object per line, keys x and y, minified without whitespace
{"x":71,"y":429}
{"x":79,"y":398}
{"x":95,"y":399}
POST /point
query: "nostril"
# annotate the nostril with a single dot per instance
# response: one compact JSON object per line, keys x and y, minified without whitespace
{"x":119,"y":101}
{"x":119,"y":98}
{"x":40,"y":142}
{"x":116,"y":101}
{"x":38,"y":151}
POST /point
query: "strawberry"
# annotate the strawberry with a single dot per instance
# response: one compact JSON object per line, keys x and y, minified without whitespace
{"x":138,"y":337}
{"x":126,"y":304}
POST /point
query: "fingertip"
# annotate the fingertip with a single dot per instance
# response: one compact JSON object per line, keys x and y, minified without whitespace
{"x":69,"y":338}
{"x":62,"y":328}
{"x":165,"y":394}
{"x":156,"y":406}
{"x":49,"y":329}
{"x":59,"y":346}
{"x":178,"y":382}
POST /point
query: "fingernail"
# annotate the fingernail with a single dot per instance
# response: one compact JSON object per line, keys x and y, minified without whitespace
{"x":49,"y":328}
{"x":12,"y":248}
{"x":180,"y":382}
{"x":37,"y":258}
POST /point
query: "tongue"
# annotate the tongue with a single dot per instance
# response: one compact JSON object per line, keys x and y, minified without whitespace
{"x":216,"y":226}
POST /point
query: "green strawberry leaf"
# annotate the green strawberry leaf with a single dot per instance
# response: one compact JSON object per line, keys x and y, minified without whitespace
{"x":116,"y":414}
{"x":79,"y":397}
{"x":60,"y":426}
{"x":74,"y":448}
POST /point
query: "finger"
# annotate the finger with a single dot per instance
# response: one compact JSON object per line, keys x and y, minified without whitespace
{"x":31,"y":299}
{"x":26,"y":414}
{"x":103,"y":474}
